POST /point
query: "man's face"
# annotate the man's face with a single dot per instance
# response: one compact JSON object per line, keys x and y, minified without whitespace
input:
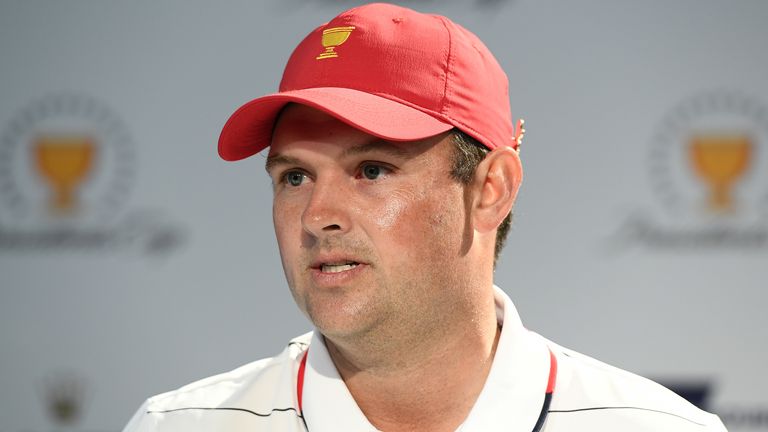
{"x":371,"y":232}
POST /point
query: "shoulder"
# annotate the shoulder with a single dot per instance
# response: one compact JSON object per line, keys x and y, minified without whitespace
{"x":252,"y":396}
{"x":591,"y":395}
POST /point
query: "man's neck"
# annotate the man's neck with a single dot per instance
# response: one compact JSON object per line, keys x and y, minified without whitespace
{"x":430,"y":383}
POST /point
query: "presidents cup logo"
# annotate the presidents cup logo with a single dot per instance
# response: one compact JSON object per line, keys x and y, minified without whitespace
{"x":708,"y":169}
{"x":67,"y":169}
{"x":64,"y":161}
{"x":720,"y":160}
{"x":332,"y":38}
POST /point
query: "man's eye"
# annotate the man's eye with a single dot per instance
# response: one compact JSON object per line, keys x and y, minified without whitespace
{"x":294,"y":178}
{"x":372,"y":171}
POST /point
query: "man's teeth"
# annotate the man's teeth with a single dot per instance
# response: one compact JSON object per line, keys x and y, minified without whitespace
{"x":336,"y":268}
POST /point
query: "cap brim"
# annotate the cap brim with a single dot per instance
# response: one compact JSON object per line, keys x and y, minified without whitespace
{"x":249,"y":129}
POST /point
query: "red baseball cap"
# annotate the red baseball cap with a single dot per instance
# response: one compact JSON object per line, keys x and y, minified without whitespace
{"x":391,"y":72}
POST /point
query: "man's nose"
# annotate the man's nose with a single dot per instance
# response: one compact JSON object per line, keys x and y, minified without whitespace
{"x":327,"y":211}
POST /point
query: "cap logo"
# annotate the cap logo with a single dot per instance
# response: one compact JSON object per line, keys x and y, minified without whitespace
{"x":332,"y":38}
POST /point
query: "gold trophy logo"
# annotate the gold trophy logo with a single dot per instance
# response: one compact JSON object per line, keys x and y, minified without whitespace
{"x":64,"y":161}
{"x":720,"y":160}
{"x":332,"y":38}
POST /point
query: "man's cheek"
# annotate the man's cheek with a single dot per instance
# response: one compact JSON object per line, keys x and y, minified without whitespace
{"x":286,"y":218}
{"x":397,"y":207}
{"x":391,"y":213}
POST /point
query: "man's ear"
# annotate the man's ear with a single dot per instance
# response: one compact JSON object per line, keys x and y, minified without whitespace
{"x":496,"y":182}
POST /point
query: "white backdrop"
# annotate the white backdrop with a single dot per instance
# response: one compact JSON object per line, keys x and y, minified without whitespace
{"x":168,"y":270}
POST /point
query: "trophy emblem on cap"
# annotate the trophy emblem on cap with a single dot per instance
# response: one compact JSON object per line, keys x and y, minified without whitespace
{"x":332,"y":38}
{"x":720,"y":160}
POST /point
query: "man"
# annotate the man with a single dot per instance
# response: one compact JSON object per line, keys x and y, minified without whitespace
{"x":395,"y":169}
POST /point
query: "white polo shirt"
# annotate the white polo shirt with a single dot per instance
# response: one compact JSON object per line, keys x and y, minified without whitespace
{"x":588,"y":395}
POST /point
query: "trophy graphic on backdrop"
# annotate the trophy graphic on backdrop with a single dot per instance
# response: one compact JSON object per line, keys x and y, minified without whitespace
{"x":720,"y":160}
{"x":332,"y":38}
{"x":64,"y":161}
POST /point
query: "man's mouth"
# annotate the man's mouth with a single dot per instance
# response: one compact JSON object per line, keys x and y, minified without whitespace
{"x":338,"y":267}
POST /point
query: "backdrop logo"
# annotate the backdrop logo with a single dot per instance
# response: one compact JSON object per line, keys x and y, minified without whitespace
{"x":67,"y":169}
{"x":720,"y":160}
{"x":708,"y":169}
{"x":64,"y":161}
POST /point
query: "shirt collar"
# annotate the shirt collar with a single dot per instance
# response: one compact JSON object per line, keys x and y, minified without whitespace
{"x":513,"y":393}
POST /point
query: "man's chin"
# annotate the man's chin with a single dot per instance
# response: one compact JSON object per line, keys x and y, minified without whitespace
{"x":342,"y":314}
{"x":340,"y":329}
{"x":339,"y":325}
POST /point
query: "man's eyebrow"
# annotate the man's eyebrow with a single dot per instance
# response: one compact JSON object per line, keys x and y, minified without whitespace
{"x":373,"y":146}
{"x":278,"y":159}
{"x":377,"y":146}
